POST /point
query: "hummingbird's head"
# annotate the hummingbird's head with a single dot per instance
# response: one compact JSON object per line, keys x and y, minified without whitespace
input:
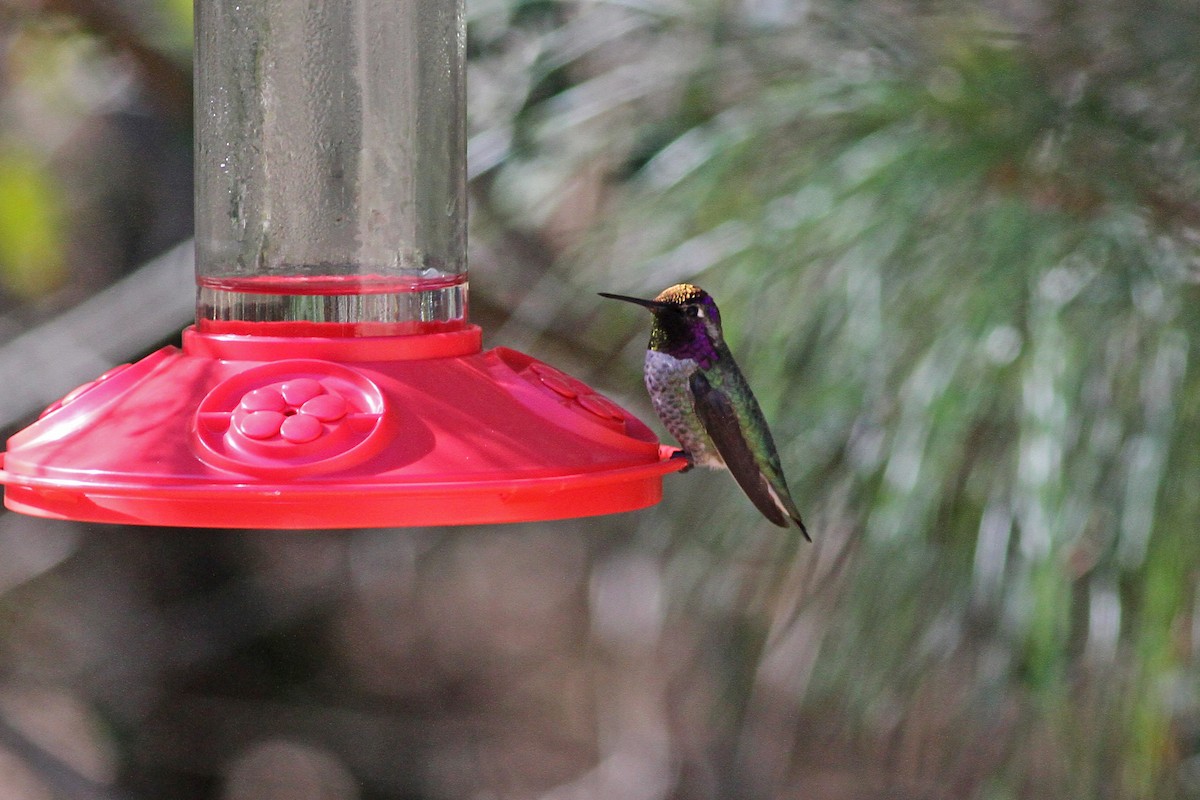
{"x":687,"y":323}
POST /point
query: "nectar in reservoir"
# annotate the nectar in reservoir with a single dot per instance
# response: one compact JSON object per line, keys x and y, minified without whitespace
{"x":332,"y":305}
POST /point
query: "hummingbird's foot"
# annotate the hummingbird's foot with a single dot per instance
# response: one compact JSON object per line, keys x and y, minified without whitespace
{"x":684,"y":454}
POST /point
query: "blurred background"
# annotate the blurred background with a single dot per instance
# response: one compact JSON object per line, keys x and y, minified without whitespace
{"x":956,"y":247}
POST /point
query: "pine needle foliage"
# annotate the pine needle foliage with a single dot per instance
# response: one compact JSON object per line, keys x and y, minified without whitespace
{"x":956,"y":249}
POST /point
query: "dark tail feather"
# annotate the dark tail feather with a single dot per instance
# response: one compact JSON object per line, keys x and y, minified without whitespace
{"x":804,"y":530}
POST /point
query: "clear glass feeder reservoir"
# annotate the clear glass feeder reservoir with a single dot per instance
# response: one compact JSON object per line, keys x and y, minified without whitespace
{"x":332,"y":378}
{"x":330,"y":166}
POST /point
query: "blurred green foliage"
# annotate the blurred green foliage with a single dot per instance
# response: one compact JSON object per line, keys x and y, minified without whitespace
{"x":31,"y":227}
{"x":956,"y":250}
{"x":88,"y":169}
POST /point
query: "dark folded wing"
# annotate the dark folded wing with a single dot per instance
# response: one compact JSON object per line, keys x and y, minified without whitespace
{"x":720,"y":420}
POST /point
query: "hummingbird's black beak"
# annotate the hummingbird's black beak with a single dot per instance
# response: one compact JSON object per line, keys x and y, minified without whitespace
{"x":653,"y":305}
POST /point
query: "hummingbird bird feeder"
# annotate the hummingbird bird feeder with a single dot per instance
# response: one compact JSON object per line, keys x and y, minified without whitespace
{"x":332,"y":378}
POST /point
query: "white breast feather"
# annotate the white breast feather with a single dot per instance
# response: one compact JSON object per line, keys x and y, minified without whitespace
{"x":667,"y":381}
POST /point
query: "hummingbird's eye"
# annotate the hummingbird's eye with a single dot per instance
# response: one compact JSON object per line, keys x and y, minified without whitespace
{"x":694,"y":311}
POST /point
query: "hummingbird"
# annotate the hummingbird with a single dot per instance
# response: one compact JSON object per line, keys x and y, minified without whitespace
{"x":704,"y":401}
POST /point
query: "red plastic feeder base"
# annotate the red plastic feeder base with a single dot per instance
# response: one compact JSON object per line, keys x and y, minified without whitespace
{"x":279,"y":432}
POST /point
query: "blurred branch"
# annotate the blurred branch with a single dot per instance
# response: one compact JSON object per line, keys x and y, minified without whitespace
{"x":62,"y":779}
{"x":116,"y":325}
